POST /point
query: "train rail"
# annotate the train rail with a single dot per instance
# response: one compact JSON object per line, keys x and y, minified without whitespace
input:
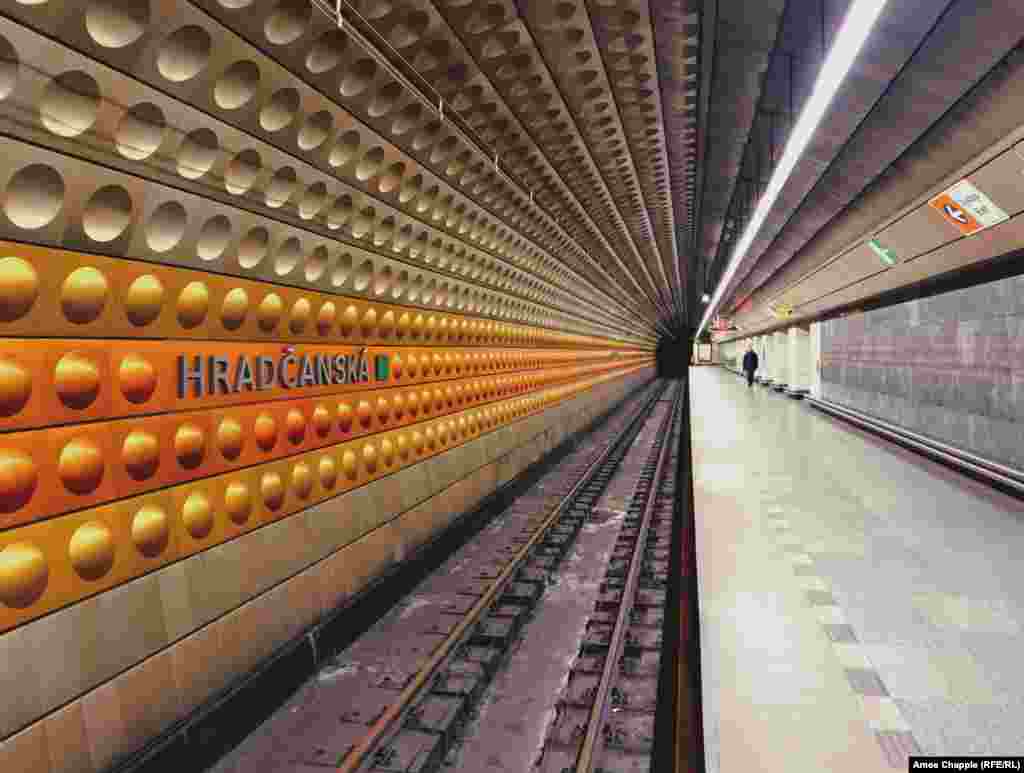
{"x":606,"y":716}
{"x":402,"y":697}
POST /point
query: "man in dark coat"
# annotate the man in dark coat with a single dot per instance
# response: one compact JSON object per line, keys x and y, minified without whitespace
{"x":750,"y":364}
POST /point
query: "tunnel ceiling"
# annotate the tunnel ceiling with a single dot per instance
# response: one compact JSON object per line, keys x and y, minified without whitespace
{"x":623,"y":143}
{"x":586,"y":165}
{"x":565,"y":103}
{"x":921,"y":60}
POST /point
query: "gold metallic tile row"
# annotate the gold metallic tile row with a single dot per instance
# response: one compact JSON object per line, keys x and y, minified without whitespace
{"x":66,"y":468}
{"x":48,"y":565}
{"x":46,"y":382}
{"x":49,"y":292}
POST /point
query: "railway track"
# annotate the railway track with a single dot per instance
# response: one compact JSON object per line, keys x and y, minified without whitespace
{"x":409,"y":695}
{"x":605,"y":720}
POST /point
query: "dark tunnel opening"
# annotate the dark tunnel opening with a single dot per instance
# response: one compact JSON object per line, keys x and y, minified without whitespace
{"x":673,"y":357}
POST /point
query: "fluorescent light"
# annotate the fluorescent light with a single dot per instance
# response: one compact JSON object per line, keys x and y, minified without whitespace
{"x":856,"y":27}
{"x":705,"y":298}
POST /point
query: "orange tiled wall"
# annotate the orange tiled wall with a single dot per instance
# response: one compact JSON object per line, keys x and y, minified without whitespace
{"x":170,"y":194}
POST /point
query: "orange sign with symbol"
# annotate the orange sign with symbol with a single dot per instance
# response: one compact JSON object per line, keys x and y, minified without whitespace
{"x":967,"y":209}
{"x":955,"y":215}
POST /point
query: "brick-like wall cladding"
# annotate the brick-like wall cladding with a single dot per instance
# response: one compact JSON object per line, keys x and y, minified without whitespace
{"x":950,"y":367}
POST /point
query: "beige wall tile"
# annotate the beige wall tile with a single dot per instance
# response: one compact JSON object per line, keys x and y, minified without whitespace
{"x":382,"y":504}
{"x":166,"y":707}
{"x":390,"y":494}
{"x":19,"y":683}
{"x":350,"y":518}
{"x":147,"y":614}
{"x":334,"y":589}
{"x":471,"y":488}
{"x":507,"y":468}
{"x":445,"y":509}
{"x":216,"y":662}
{"x":303,"y":596}
{"x":496,"y":442}
{"x":318,"y":586}
{"x":189,"y":669}
{"x":434,"y":473}
{"x":285,"y":622}
{"x":325,"y":523}
{"x":431,"y":515}
{"x":371,"y":555}
{"x":147,"y":698}
{"x":68,"y":654}
{"x":500,"y":443}
{"x":199,"y":594}
{"x":462,"y":497}
{"x":266,"y":619}
{"x":223,"y":569}
{"x":444,"y":505}
{"x":104,"y":725}
{"x":258,"y":553}
{"x":358,"y":513}
{"x":419,"y":525}
{"x":277,"y":552}
{"x":427,"y":472}
{"x":295,"y":547}
{"x":25,"y":751}
{"x":176,"y":598}
{"x":413,"y":530}
{"x":461,"y":461}
{"x":234,"y":633}
{"x":295,"y":622}
{"x":66,"y":740}
{"x":449,"y":469}
{"x":489,"y":478}
{"x":413,"y":487}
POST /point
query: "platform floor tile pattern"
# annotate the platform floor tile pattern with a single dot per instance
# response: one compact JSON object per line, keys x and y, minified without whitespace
{"x":858,"y":603}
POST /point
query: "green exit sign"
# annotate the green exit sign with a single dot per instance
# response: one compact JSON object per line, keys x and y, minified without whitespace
{"x":886,"y":255}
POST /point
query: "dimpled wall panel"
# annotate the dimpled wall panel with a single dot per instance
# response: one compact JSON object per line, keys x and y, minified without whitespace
{"x":263,"y":331}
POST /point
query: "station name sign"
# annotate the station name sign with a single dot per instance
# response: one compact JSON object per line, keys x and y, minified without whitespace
{"x":200,"y":376}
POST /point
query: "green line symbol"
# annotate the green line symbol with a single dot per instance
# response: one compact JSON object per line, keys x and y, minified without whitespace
{"x":381,"y":367}
{"x":886,"y":255}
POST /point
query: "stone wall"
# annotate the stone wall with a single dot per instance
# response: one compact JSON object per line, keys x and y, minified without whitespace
{"x":950,"y":367}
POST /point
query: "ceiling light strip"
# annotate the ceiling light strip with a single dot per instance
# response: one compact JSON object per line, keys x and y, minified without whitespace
{"x":856,"y":27}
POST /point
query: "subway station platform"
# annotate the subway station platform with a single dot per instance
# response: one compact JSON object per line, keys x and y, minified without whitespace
{"x":294,"y":293}
{"x":858,"y":603}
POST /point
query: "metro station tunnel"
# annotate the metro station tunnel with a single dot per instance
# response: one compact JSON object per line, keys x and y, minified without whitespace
{"x":511,"y":385}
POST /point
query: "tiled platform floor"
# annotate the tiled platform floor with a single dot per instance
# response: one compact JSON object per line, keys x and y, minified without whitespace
{"x":858,"y":603}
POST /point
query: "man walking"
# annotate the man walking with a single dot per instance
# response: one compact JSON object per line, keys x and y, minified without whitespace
{"x":750,"y":364}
